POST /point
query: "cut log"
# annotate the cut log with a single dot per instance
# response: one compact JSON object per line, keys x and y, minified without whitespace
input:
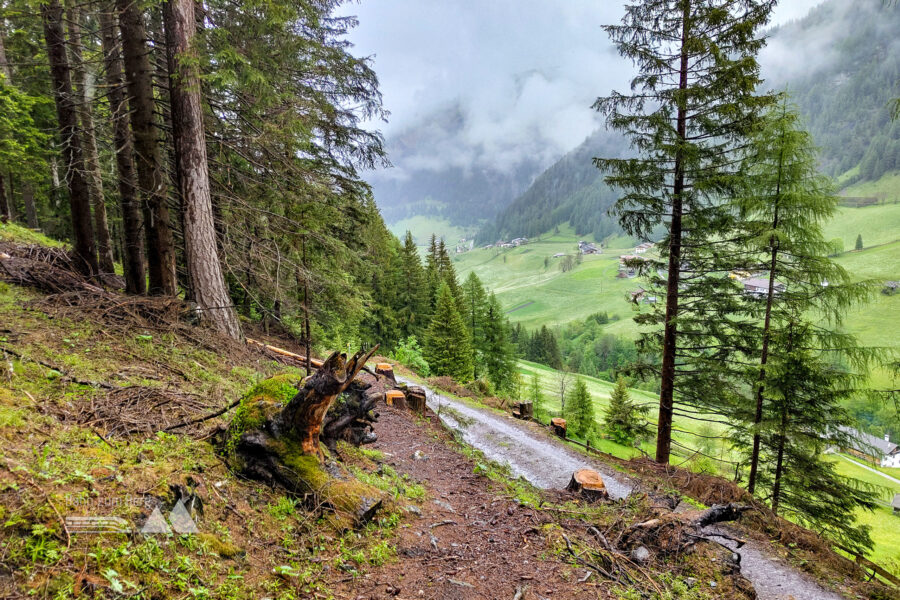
{"x":416,"y":398}
{"x":297,"y":359}
{"x":558,"y":425}
{"x":524,"y":410}
{"x":588,"y":484}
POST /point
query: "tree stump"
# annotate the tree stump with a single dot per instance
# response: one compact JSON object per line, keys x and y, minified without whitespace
{"x":559,"y":426}
{"x":416,"y":398}
{"x":524,"y":410}
{"x":280,"y":444}
{"x":588,"y":484}
{"x":386,"y":369}
{"x":395,"y":398}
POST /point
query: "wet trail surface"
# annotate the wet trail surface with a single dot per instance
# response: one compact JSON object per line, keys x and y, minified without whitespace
{"x":547,"y":463}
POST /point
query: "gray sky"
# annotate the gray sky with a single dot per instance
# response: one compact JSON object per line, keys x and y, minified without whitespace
{"x":521,"y":73}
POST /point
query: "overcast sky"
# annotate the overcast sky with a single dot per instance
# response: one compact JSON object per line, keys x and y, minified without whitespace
{"x":522,"y":73}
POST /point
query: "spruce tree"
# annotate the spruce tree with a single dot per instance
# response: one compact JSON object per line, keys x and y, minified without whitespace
{"x":496,"y":351}
{"x":474,"y":311}
{"x":690,"y":109}
{"x":447,"y":347}
{"x":579,"y":410}
{"x":412,"y":296}
{"x":624,"y":419}
{"x":859,"y":242}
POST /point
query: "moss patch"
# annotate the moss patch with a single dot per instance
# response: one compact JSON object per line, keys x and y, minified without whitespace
{"x":258,"y":404}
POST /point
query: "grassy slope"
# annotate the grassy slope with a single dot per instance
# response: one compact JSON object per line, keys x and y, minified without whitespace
{"x":885,"y":526}
{"x":887,"y":186}
{"x":422,"y":227}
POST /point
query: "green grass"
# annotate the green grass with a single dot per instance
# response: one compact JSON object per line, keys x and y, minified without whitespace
{"x":878,"y":225}
{"x":422,"y":227}
{"x":10,"y":232}
{"x":887,"y":187}
{"x":885,"y":525}
{"x":518,"y":277}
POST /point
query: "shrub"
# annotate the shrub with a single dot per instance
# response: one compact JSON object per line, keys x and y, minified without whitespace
{"x":409,"y":354}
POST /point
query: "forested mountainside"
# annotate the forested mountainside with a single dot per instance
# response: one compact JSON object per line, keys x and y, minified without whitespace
{"x":571,"y":191}
{"x":843,"y":89}
{"x":845,"y":72}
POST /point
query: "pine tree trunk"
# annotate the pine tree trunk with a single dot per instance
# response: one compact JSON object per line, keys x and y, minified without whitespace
{"x":4,"y":63}
{"x":670,"y":332}
{"x":779,"y":463}
{"x":5,"y":214}
{"x":11,"y":196}
{"x":79,"y":198}
{"x":89,"y":142}
{"x":207,"y":281}
{"x":133,"y":262}
{"x":28,"y":201}
{"x":148,"y":159}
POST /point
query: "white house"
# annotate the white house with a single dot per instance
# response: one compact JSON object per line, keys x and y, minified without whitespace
{"x":759,"y":287}
{"x":873,"y":448}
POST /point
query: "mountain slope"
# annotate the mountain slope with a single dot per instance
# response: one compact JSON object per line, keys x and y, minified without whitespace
{"x":841,"y":65}
{"x":571,"y":191}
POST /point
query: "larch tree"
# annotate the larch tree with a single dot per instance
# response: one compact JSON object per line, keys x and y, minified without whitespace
{"x":147,"y":151}
{"x":70,"y":139}
{"x":691,"y":106}
{"x":129,"y":201}
{"x":201,"y":250}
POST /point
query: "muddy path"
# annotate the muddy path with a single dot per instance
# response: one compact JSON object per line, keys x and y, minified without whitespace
{"x":531,"y":452}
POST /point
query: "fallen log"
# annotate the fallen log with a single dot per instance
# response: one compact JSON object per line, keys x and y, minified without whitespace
{"x":298,"y":358}
{"x":280,"y":444}
{"x":588,"y":484}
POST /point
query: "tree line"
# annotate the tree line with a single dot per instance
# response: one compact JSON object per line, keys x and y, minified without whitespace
{"x":727,"y":170}
{"x":211,"y":149}
{"x":462,"y":328}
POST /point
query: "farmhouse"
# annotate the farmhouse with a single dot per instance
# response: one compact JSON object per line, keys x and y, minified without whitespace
{"x":588,"y":248}
{"x":627,"y":265}
{"x":641,"y":248}
{"x":759,"y":287}
{"x":519,"y":241}
{"x":873,"y":448}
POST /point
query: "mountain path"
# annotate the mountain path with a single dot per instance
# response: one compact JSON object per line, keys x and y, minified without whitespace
{"x":547,"y":463}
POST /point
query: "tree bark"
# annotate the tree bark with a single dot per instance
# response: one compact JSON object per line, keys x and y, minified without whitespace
{"x":89,"y":142}
{"x":30,"y":210}
{"x":5,"y":214}
{"x":670,"y":331}
{"x":133,"y":262}
{"x":11,"y":197}
{"x":148,"y":159}
{"x":201,"y":252}
{"x":79,"y":198}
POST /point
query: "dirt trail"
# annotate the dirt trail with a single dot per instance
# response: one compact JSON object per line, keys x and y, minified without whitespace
{"x":538,"y":457}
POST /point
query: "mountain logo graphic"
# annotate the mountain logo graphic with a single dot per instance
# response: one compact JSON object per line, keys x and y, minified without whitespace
{"x":179,"y":518}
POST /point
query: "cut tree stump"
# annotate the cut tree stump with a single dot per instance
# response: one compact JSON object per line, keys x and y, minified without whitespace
{"x":415,"y":399}
{"x":395,"y":398}
{"x":524,"y":410}
{"x":588,"y":484}
{"x":558,"y":425}
{"x":386,"y":369}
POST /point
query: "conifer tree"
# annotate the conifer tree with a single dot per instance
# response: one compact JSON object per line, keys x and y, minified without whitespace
{"x":781,"y":216}
{"x":690,"y":109}
{"x":447,"y":347}
{"x":473,"y":309}
{"x":859,"y":242}
{"x":624,"y":419}
{"x":496,"y":351}
{"x":412,"y":297}
{"x":579,"y":410}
